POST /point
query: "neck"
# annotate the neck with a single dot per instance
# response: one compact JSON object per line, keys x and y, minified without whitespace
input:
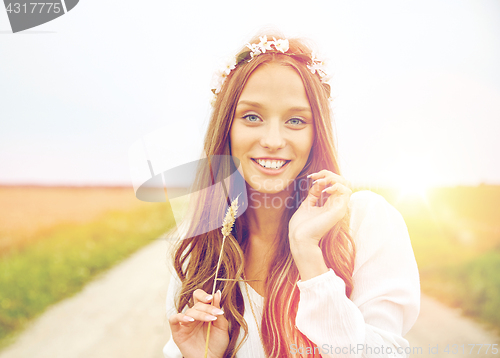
{"x":264,"y":213}
{"x":263,"y":216}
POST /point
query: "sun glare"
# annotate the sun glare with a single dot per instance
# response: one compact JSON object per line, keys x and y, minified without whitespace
{"x":413,"y":184}
{"x":413,"y":189}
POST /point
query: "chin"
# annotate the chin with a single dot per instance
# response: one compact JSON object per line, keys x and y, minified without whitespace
{"x":269,"y":186}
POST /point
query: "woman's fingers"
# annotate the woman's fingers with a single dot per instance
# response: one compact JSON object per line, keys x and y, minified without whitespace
{"x":175,"y":319}
{"x":200,"y":315}
{"x":337,"y":187}
{"x":217,"y":298}
{"x":202,"y":310}
{"x":332,"y":189}
{"x":321,"y":182}
{"x":337,"y":191}
{"x":221,"y":321}
{"x":314,"y":194}
{"x":329,"y":177}
{"x":201,"y":296}
{"x":338,"y":200}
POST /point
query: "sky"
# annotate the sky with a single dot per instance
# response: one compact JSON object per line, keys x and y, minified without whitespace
{"x":89,"y":97}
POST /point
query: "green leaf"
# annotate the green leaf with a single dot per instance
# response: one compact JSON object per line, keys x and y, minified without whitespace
{"x":244,"y":56}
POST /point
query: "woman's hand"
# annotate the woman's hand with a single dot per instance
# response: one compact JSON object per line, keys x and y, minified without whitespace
{"x":189,"y":329}
{"x":316,"y":216}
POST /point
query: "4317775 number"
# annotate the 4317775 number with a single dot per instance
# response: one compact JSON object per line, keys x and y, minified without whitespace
{"x":34,"y":7}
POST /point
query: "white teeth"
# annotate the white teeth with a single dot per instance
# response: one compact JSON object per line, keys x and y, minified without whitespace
{"x":271,"y":164}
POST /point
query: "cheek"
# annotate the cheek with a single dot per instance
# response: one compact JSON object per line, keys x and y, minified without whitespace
{"x":307,"y":144}
{"x":310,"y":147}
{"x":233,"y":147}
{"x":232,"y":141}
{"x":239,"y":141}
{"x":234,"y":150}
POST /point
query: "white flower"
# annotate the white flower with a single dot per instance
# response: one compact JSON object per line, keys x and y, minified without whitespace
{"x":252,"y":47}
{"x":318,"y":66}
{"x":254,"y":50}
{"x":218,"y":87}
{"x":218,"y":80}
{"x":257,"y":52}
{"x":281,"y":45}
{"x":326,"y":78}
{"x":313,"y":68}
{"x":264,"y":44}
{"x":230,"y":65}
{"x":313,"y":57}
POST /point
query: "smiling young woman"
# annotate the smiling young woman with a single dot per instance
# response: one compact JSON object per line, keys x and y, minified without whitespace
{"x":272,"y":131}
{"x":310,"y":268}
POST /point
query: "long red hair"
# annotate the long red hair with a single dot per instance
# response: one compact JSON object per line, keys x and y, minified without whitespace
{"x":196,"y":256}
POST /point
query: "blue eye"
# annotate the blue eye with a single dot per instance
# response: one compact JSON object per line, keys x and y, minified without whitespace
{"x":296,"y":121}
{"x":252,"y":118}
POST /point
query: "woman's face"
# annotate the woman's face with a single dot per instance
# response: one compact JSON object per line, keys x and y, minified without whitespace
{"x":272,"y":131}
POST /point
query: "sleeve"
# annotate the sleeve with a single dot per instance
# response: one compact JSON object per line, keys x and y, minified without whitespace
{"x":385,"y":300}
{"x":170,"y":350}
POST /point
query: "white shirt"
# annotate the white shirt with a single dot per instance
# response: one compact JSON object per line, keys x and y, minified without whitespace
{"x":384,"y":303}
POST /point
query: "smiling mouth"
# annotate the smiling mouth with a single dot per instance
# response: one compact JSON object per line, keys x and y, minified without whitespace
{"x":271,"y":164}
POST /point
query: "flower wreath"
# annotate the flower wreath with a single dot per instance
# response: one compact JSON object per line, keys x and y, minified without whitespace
{"x":313,"y":64}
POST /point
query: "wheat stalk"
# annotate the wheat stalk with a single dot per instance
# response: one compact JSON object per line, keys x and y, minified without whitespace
{"x":227,"y":227}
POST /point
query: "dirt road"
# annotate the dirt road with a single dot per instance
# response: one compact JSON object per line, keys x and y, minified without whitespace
{"x":442,"y":332}
{"x":121,"y":314}
{"x":118,"y":315}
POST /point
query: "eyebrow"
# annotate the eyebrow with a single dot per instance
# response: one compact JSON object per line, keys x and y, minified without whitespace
{"x":258,"y":105}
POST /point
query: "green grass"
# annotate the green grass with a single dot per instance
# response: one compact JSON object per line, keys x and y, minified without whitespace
{"x":455,"y":234}
{"x":474,"y":286}
{"x":59,"y":264}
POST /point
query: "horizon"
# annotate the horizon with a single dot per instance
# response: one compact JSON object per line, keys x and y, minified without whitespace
{"x":416,"y":88}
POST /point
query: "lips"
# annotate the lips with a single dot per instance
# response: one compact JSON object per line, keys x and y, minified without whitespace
{"x":270,"y":171}
{"x":271,"y":163}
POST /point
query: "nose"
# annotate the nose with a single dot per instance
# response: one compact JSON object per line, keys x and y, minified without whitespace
{"x":272,"y":137}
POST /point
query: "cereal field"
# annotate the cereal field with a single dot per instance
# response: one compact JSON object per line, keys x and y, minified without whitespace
{"x":27,"y":211}
{"x":54,"y":240}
